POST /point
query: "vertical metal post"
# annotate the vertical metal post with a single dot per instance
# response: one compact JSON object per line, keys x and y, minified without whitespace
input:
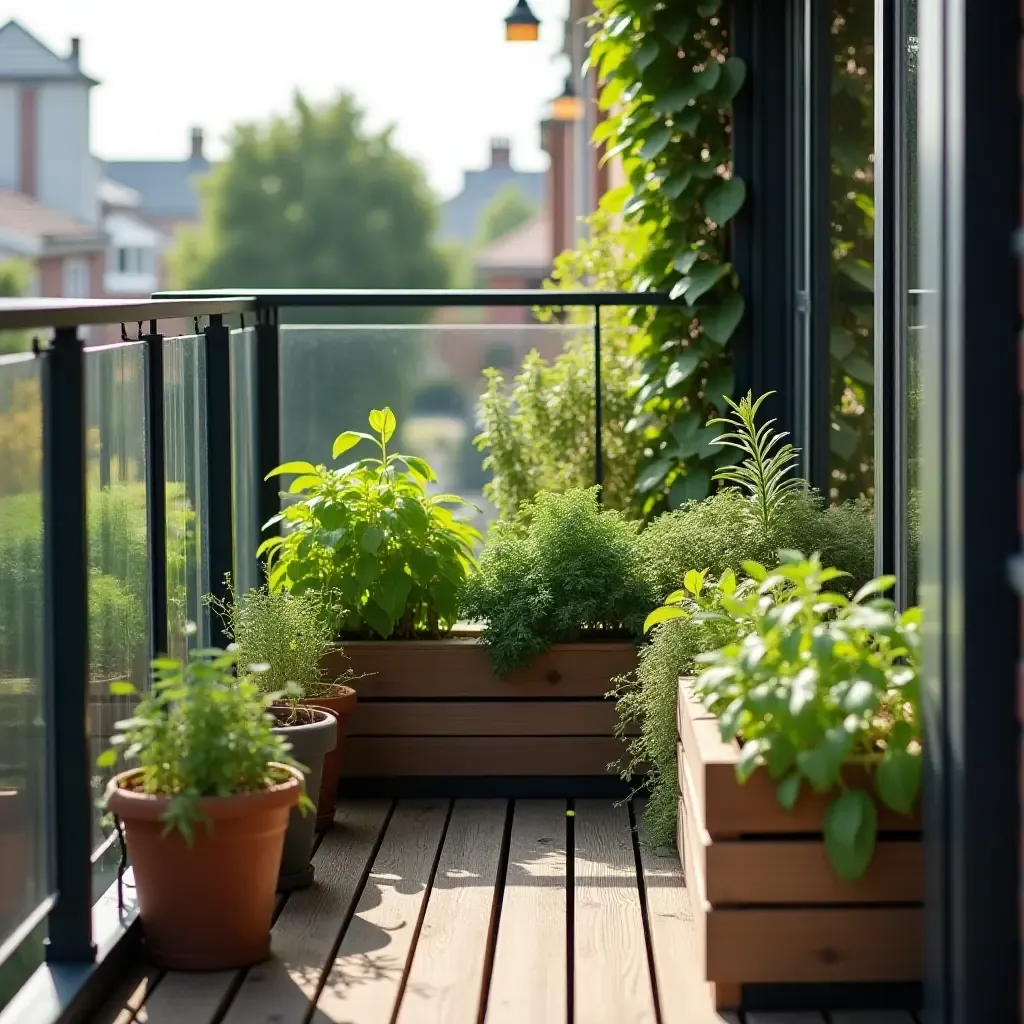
{"x":106,"y":403}
{"x":66,"y":647}
{"x":598,"y":425}
{"x":156,"y":491}
{"x":267,"y":417}
{"x":219,"y":545}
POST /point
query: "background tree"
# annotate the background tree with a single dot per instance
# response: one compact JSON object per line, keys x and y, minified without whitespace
{"x":15,"y":277}
{"x":313,"y":199}
{"x":508,"y":210}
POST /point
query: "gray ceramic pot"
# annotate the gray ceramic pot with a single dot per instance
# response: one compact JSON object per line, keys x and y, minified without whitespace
{"x":311,"y":741}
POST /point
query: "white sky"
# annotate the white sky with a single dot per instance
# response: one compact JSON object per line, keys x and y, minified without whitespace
{"x":439,"y":69}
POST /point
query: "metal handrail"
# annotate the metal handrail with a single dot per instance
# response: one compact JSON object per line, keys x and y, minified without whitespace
{"x":25,"y":314}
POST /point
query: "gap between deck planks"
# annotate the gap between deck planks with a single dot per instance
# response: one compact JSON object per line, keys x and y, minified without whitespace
{"x":440,"y":912}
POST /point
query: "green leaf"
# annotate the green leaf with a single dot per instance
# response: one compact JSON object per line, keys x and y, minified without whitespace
{"x":684,"y":264}
{"x":421,"y":466}
{"x":860,"y":697}
{"x":747,"y":762}
{"x":303,"y":483}
{"x":859,"y":368}
{"x":703,"y":278}
{"x":655,"y":142}
{"x":841,"y":343}
{"x":720,"y":322}
{"x":708,"y":8}
{"x":122,"y":688}
{"x":383,"y":421}
{"x":647,"y":54}
{"x":377,"y":618}
{"x":898,"y":779}
{"x":851,"y":826}
{"x":879,"y":585}
{"x":349,"y":439}
{"x":366,"y":569}
{"x":663,"y":614}
{"x":734,"y":74}
{"x":653,"y":475}
{"x":720,"y":385}
{"x":675,"y":26}
{"x":107,"y":759}
{"x":842,"y":440}
{"x":291,"y":467}
{"x":693,"y":581}
{"x":675,"y":99}
{"x":788,"y":790}
{"x":371,"y":539}
{"x":682,"y":368}
{"x":708,"y":77}
{"x":394,"y":591}
{"x":725,"y":201}
{"x":691,"y":487}
{"x":859,"y":271}
{"x":675,"y":185}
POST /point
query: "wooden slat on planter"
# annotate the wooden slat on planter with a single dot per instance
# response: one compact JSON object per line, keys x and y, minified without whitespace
{"x":484,"y":718}
{"x":729,"y":809}
{"x":768,"y":907}
{"x":524,"y":756}
{"x":795,"y":871}
{"x":461,"y":669}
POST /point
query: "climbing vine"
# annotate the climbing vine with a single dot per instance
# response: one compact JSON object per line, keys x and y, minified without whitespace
{"x":668,"y":84}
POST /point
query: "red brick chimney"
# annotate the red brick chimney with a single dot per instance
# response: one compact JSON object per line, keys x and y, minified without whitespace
{"x":556,"y":139}
{"x":501,"y":152}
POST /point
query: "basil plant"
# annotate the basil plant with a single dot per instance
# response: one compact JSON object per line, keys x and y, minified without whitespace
{"x":392,"y":557}
{"x":814,"y":683}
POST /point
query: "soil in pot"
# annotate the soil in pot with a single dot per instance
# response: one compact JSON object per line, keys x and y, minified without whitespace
{"x":208,"y":906}
{"x":340,"y":701}
{"x":313,"y":733}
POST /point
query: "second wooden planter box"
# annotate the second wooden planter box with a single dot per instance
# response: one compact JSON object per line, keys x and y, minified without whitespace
{"x":435,"y":708}
{"x":768,"y":907}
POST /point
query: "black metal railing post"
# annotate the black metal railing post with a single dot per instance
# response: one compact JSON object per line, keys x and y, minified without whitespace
{"x":156,"y":491}
{"x":219,"y":544}
{"x":598,"y":424}
{"x":267,"y":419}
{"x":66,"y":647}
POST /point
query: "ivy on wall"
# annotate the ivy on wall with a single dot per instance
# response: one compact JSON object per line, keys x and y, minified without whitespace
{"x":668,"y":84}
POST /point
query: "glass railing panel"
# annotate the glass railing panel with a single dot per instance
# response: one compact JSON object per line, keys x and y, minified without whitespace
{"x":431,"y":375}
{"x":244,"y":483}
{"x":117,"y":537}
{"x":23,"y":789}
{"x":185,"y":468}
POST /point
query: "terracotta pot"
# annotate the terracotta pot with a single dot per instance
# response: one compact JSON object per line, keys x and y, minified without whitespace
{"x":14,"y":859}
{"x":208,"y":906}
{"x":341,"y":703}
{"x":311,"y":741}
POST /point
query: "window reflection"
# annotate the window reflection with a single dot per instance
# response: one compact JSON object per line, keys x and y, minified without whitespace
{"x":852,"y":235}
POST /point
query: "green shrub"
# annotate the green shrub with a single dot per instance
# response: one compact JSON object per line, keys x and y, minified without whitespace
{"x":286,"y":634}
{"x":649,"y":699}
{"x":392,"y":557}
{"x":563,"y":569}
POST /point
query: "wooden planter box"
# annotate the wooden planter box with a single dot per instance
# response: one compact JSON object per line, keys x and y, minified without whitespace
{"x":435,"y":708}
{"x":767,"y":905}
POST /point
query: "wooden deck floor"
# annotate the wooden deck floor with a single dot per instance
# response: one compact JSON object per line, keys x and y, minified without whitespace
{"x":458,"y":912}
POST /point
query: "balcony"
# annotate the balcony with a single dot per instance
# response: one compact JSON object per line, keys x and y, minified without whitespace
{"x":482,"y":863}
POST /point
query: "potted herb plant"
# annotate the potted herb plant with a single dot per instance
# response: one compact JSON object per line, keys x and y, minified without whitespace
{"x":283,"y":638}
{"x":800,"y":769}
{"x":205,"y":811}
{"x":397,"y":561}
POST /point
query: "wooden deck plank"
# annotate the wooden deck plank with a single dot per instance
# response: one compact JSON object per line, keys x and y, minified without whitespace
{"x":445,"y":982}
{"x":127,"y":999}
{"x":366,"y":977}
{"x":683,"y":996}
{"x":528,"y":982}
{"x":608,"y":925}
{"x":182,"y":998}
{"x":307,"y":931}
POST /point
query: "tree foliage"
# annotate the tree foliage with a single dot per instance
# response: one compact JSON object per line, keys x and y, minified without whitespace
{"x":313,"y":199}
{"x":669,"y":87}
{"x":15,"y":278}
